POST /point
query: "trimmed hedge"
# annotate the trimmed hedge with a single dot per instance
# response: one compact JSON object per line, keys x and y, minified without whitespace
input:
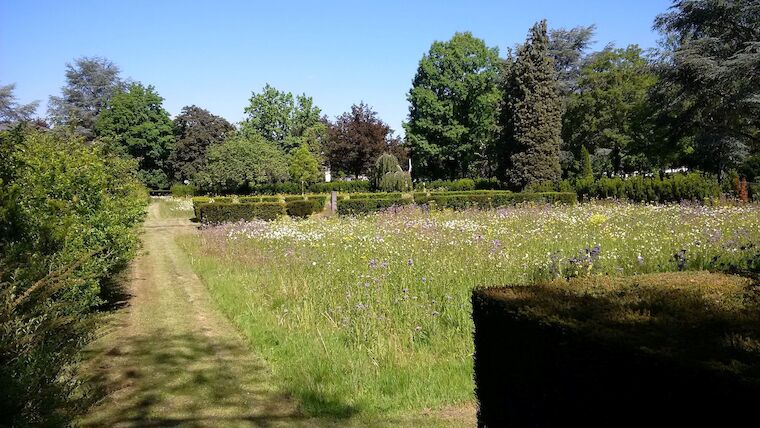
{"x":675,"y":349}
{"x":463,"y":184}
{"x":226,"y":212}
{"x":377,"y":195}
{"x":181,"y":190}
{"x":341,"y":186}
{"x":491,"y":199}
{"x":303,"y":208}
{"x":675,"y":188}
{"x":366,"y":206}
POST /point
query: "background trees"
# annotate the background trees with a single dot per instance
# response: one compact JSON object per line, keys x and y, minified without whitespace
{"x":196,"y":129}
{"x":303,"y":166}
{"x":11,"y":111}
{"x":533,"y":116}
{"x":135,"y":124}
{"x":453,"y":105}
{"x":710,"y":79}
{"x":90,"y":84}
{"x":357,"y":138}
{"x":608,"y":111}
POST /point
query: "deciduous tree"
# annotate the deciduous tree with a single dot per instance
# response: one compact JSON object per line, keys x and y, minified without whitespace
{"x":196,"y":129}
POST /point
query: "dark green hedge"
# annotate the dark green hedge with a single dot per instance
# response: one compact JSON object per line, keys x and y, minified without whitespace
{"x":341,"y":186}
{"x":463,"y":184}
{"x":303,"y":207}
{"x":490,"y":199}
{"x":376,"y":195}
{"x":227,"y":212}
{"x":675,"y":188}
{"x":679,"y":349}
{"x":366,"y":206}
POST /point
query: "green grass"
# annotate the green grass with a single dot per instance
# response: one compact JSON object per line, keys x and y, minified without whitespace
{"x":175,"y":207}
{"x":371,"y":315}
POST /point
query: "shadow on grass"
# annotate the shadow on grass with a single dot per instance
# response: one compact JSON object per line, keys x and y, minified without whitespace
{"x":167,"y":379}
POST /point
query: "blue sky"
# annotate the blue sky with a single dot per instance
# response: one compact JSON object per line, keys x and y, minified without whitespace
{"x":214,"y":53}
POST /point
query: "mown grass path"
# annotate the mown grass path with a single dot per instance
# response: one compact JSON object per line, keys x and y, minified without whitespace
{"x":168,"y":358}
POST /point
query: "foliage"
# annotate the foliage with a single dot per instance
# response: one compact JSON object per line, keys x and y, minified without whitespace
{"x":452,"y":112}
{"x":11,"y":112}
{"x":303,"y":166}
{"x":485,"y":199}
{"x":354,"y":206}
{"x":710,"y":86}
{"x":69,"y":214}
{"x":240,"y":163}
{"x":566,"y":47}
{"x":135,"y":124}
{"x":379,"y":305}
{"x":180,"y":190}
{"x":609,"y":109}
{"x":195,"y":129}
{"x":462,"y":184}
{"x":341,"y":186}
{"x":675,"y":188}
{"x":304,"y":208}
{"x":587,"y":172}
{"x":90,"y":84}
{"x":532,"y":114}
{"x":286,"y":122}
{"x":387,"y":175}
{"x":357,"y":138}
{"x":222,"y":212}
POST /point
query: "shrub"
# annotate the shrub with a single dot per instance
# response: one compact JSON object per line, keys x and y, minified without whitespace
{"x":378,"y":195}
{"x":68,"y":217}
{"x":197,"y":201}
{"x":650,"y":347}
{"x":353,"y":186}
{"x":675,"y":188}
{"x":365,"y":206}
{"x":181,"y":190}
{"x":490,"y":199}
{"x":227,"y":212}
{"x":302,"y":208}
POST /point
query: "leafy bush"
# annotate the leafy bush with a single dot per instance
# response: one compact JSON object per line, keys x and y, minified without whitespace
{"x":68,"y":216}
{"x":181,"y":190}
{"x":355,"y":206}
{"x":378,"y":195}
{"x":226,"y":212}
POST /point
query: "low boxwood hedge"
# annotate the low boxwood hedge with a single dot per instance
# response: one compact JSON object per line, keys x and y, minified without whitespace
{"x":226,"y":212}
{"x":674,"y":349}
{"x":356,"y":206}
{"x":303,"y":207}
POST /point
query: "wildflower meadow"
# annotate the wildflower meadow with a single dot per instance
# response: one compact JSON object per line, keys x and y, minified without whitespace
{"x":372,"y":314}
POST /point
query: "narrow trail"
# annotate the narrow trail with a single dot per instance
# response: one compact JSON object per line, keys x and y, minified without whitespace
{"x":168,"y":358}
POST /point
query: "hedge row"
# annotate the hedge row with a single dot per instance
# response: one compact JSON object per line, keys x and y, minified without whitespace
{"x":294,"y":188}
{"x":229,"y":212}
{"x":675,"y":349}
{"x":463,"y":184}
{"x":675,"y":188}
{"x":354,"y":206}
{"x":490,"y":199}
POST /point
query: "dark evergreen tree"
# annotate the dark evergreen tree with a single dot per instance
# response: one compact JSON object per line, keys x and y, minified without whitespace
{"x":195,"y":129}
{"x":532,"y":113}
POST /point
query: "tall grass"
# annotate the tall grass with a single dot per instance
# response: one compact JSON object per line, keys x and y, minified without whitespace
{"x":372,"y":314}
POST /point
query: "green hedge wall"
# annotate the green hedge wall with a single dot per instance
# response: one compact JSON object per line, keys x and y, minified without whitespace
{"x":366,"y":206}
{"x":676,"y":188}
{"x":303,"y":208}
{"x":490,"y":199}
{"x":228,"y":212}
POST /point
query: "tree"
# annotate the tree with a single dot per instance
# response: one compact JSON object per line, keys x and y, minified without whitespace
{"x":357,"y":138}
{"x":136,"y":124}
{"x":609,"y":108}
{"x":566,"y":47}
{"x":90,"y":84}
{"x":387,"y":175}
{"x":279,"y":118}
{"x":587,"y":172}
{"x":532,"y":113}
{"x":195,"y":130}
{"x":709,"y":79}
{"x":303,"y":166}
{"x":241,"y":162}
{"x":11,"y":112}
{"x":453,"y":109}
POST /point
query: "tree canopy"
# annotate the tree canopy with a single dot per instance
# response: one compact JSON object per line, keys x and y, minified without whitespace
{"x":453,"y":109}
{"x":135,"y":124}
{"x":196,"y":129}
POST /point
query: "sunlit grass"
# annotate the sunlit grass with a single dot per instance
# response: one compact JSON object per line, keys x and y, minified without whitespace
{"x":372,"y":314}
